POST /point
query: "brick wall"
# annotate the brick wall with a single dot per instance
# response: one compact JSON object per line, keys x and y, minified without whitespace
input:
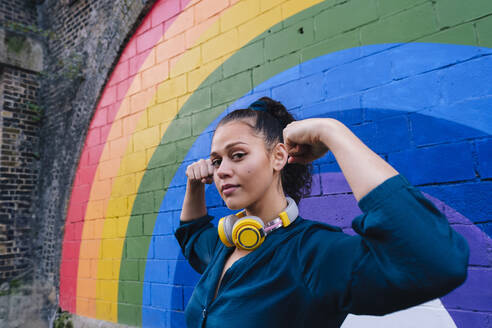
{"x":18,"y":12}
{"x":18,"y":168}
{"x":66,"y":22}
{"x":21,"y":59}
{"x":69,"y":19}
{"x":80,"y":41}
{"x":19,"y":141}
{"x":85,"y":40}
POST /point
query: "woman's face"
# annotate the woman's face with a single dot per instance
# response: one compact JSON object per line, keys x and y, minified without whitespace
{"x":243,"y":168}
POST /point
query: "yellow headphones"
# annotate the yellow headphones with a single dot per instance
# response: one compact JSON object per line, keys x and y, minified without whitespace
{"x":249,"y":232}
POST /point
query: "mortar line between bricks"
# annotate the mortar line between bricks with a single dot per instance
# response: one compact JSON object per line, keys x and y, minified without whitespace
{"x":410,"y":131}
{"x":468,"y":310}
{"x":353,"y":29}
{"x":470,"y":224}
{"x":475,"y":32}
{"x":449,"y":183}
{"x":332,"y":194}
{"x":443,"y":143}
{"x":447,"y":66}
{"x":470,"y":98}
{"x":481,"y":267}
{"x":469,"y":21}
{"x":434,"y":12}
{"x":451,"y":142}
{"x":404,"y":9}
{"x":474,"y":153}
{"x":472,"y":311}
{"x":483,"y":222}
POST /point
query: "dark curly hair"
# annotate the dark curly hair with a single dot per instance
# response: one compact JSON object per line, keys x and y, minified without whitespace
{"x":269,"y":118}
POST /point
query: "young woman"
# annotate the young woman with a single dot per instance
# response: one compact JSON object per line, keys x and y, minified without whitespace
{"x":267,"y":267}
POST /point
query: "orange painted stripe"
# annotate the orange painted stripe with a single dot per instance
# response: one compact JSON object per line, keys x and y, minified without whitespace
{"x":131,"y":110}
{"x":119,"y":82}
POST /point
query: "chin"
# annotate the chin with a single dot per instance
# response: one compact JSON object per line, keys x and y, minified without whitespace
{"x":234,"y":204}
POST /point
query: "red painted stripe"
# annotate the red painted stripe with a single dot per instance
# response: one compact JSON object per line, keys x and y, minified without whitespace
{"x":160,"y":17}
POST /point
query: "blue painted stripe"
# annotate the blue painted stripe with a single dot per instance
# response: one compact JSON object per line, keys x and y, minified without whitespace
{"x":411,"y":91}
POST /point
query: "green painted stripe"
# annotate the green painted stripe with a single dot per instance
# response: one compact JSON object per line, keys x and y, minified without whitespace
{"x":238,"y":75}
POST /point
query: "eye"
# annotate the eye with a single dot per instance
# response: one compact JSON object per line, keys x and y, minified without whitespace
{"x":238,"y":155}
{"x":216,"y":162}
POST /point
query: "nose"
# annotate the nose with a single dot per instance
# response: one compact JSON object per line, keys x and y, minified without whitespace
{"x":224,"y":169}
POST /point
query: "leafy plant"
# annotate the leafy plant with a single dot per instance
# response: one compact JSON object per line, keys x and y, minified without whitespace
{"x":22,"y":28}
{"x":38,"y":110}
{"x":63,"y":319}
{"x":10,"y":287}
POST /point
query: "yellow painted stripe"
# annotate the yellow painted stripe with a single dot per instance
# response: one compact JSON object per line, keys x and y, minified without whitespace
{"x":102,"y":189}
{"x":108,"y":206}
{"x":218,"y":49}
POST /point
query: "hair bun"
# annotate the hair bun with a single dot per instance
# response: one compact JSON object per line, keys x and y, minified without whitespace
{"x":259,"y":106}
{"x":274,"y":108}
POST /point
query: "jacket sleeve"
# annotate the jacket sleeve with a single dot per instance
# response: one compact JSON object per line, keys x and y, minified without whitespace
{"x":198,"y":240}
{"x":405,"y":253}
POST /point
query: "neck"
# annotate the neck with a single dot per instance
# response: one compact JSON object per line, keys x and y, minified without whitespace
{"x":268,"y":207}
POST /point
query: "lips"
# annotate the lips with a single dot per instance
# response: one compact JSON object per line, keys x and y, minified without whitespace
{"x":228,"y":189}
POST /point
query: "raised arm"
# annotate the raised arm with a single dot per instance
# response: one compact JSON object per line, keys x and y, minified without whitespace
{"x":197,"y":237}
{"x":405,"y":252}
{"x":309,"y":139}
{"x":198,"y":173}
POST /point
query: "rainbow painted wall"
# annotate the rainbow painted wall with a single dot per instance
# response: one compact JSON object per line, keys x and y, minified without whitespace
{"x":412,"y":78}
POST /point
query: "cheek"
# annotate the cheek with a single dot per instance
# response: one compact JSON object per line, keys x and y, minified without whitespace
{"x":215,"y":178}
{"x":251,"y":169}
{"x":255,"y":171}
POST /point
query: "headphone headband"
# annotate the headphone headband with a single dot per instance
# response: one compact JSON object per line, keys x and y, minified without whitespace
{"x":237,"y":229}
{"x":290,"y":214}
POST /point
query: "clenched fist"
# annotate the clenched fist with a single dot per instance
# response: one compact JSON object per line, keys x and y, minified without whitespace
{"x":200,"y":171}
{"x":303,"y":140}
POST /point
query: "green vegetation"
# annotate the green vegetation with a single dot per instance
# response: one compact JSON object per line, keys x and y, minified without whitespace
{"x":11,"y":287}
{"x":22,"y":28}
{"x":63,"y":319}
{"x":15,"y":42}
{"x":38,"y":110}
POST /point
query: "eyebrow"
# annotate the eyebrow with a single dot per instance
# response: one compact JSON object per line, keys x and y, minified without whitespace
{"x":228,"y":146}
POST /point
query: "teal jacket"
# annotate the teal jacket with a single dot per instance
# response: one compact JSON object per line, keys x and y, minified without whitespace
{"x":311,"y":274}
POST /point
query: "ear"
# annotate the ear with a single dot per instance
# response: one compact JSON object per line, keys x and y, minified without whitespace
{"x":279,"y":156}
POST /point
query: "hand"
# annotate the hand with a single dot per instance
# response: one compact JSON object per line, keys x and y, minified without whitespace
{"x":200,"y":171}
{"x":303,"y":140}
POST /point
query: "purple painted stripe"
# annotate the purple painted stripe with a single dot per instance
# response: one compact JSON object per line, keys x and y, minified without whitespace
{"x":338,"y":207}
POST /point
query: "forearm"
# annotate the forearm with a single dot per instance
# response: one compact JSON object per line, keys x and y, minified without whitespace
{"x":196,"y":235}
{"x":194,"y":205}
{"x":363,"y":168}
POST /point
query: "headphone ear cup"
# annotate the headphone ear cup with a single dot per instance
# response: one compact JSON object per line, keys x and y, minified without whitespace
{"x":248,"y":233}
{"x":225,"y":229}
